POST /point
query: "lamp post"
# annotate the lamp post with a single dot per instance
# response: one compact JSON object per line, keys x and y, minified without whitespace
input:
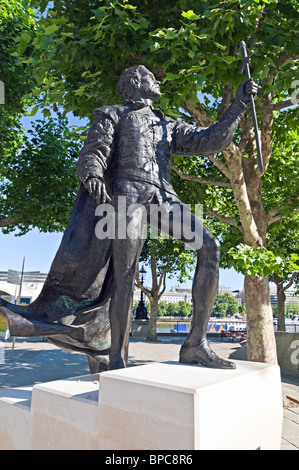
{"x":141,"y":311}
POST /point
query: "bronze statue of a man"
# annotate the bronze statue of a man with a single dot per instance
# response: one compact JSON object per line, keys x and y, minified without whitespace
{"x":87,"y":297}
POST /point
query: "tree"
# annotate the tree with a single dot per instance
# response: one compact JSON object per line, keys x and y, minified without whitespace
{"x":39,"y":182}
{"x":37,"y":175}
{"x":172,"y":309}
{"x":166,"y":258}
{"x":16,"y":20}
{"x":225,"y":305}
{"x":219,"y":309}
{"x":293,"y":307}
{"x":184,"y":309}
{"x":232,"y":305}
{"x":241,"y":197}
{"x":162,"y":308}
{"x":242,"y":309}
{"x":285,"y":241}
{"x":194,"y":48}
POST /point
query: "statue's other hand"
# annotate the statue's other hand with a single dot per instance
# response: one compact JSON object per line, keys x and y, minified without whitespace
{"x":97,"y":190}
{"x":248,"y":87}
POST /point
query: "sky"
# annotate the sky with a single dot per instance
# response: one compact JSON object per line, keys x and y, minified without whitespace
{"x":39,"y":249}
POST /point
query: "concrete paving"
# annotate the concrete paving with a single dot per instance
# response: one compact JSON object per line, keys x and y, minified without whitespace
{"x":37,"y":361}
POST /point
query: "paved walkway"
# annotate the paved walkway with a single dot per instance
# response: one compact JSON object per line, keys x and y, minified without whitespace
{"x":34,"y":361}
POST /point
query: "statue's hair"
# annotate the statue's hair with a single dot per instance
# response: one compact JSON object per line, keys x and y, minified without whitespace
{"x":125,"y":87}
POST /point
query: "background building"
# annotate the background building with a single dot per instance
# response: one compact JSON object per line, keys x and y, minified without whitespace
{"x":180,"y":293}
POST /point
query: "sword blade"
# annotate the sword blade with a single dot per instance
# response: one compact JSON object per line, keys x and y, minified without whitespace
{"x":253,"y":111}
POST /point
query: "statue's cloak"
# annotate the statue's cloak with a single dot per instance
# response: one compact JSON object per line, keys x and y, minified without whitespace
{"x":72,"y":309}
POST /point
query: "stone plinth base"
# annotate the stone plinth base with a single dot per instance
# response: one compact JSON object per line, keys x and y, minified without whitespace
{"x":161,"y":406}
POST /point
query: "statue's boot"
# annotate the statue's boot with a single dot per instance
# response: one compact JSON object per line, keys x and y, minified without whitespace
{"x":98,"y":364}
{"x":117,"y":362}
{"x":203,"y":354}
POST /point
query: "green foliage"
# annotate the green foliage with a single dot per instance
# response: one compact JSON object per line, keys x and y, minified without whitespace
{"x":280,"y":183}
{"x":193,"y":48}
{"x":292,"y":308}
{"x":172,"y":257}
{"x":242,"y":309}
{"x":225,"y":305}
{"x":17,"y":20}
{"x":188,"y":45}
{"x":258,"y":262}
{"x":96,"y":44}
{"x":180,"y":309}
{"x":39,"y":183}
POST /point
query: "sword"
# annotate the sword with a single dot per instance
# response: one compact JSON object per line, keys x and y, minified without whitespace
{"x":245,"y":65}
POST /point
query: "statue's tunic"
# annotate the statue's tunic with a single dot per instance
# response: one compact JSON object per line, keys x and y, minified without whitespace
{"x":136,"y":142}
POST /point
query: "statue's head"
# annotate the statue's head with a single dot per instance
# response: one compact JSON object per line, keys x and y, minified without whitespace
{"x":138,"y":83}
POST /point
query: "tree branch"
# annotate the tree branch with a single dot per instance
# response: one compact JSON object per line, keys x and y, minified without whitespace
{"x":282,"y":59}
{"x":290,"y":283}
{"x":221,"y":166}
{"x":199,"y":114}
{"x":266,"y":137}
{"x":139,"y":284}
{"x":163,"y":277}
{"x":259,"y":27}
{"x":164,"y":272}
{"x":202,"y":118}
{"x":275,"y":106}
{"x":224,"y":218}
{"x":278,"y":217}
{"x":227,"y":98}
{"x":197,"y":179}
{"x":273,"y":214}
{"x":6,"y":221}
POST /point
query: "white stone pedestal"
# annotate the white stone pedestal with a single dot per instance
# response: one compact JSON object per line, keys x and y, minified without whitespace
{"x":65,"y":414}
{"x":15,"y":418}
{"x":179,"y":407}
{"x":161,"y":406}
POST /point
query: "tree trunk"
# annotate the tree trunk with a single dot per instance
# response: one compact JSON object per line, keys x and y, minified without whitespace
{"x":152,"y":330}
{"x":261,"y":345}
{"x":281,"y":324}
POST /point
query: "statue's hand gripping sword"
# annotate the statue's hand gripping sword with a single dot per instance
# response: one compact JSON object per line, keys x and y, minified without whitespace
{"x":245,"y":66}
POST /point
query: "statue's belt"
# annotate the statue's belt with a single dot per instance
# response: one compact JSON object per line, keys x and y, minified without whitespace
{"x":136,"y":174}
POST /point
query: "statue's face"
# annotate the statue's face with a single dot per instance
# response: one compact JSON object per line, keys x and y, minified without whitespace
{"x":149,"y":87}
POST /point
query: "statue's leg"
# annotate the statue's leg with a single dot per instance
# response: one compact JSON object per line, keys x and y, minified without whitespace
{"x":125,"y":254}
{"x":196,"y":349}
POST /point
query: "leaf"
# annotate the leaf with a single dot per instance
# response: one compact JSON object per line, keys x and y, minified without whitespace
{"x":34,"y":110}
{"x":80,"y":91}
{"x":51,"y":29}
{"x":46,"y":112}
{"x":190,"y":15}
{"x":128,"y":7}
{"x":171,"y":33}
{"x":220,"y":46}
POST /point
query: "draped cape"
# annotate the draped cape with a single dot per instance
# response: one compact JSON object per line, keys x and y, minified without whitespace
{"x":72,"y":309}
